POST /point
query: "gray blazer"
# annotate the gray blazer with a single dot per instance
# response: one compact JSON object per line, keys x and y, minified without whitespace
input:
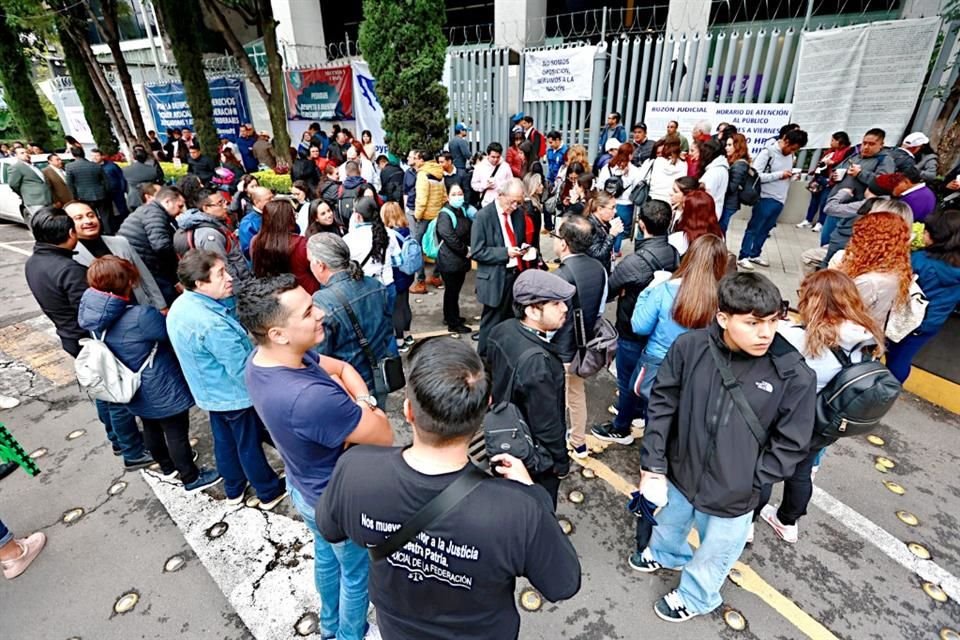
{"x":489,"y":251}
{"x":147,"y":292}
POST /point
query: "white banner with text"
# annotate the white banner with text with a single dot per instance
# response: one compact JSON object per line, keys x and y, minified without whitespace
{"x":758,"y":122}
{"x":558,"y":74}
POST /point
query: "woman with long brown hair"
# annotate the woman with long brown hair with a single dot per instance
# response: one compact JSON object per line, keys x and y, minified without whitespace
{"x":832,"y":316}
{"x":676,"y":303}
{"x":277,"y":248}
{"x":699,"y":218}
{"x":738,"y":157}
{"x":664,"y":169}
{"x":878,"y":260}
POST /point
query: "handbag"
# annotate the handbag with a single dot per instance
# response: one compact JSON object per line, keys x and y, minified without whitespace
{"x":430,"y":512}
{"x":641,"y":191}
{"x":906,"y":318}
{"x":597,"y":351}
{"x":505,"y":429}
{"x":388,"y":372}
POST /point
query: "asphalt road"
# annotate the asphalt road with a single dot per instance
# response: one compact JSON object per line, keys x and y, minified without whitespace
{"x":850,"y":575}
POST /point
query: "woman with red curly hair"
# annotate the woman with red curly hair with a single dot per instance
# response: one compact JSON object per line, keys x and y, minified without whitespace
{"x":699,"y":219}
{"x":878,"y":260}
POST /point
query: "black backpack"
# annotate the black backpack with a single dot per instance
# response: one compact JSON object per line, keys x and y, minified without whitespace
{"x":613,"y":185}
{"x":749,"y":191}
{"x":346,"y":198}
{"x":855,"y":400}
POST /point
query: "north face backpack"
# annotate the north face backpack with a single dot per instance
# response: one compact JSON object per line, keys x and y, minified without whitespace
{"x":411,"y":256}
{"x":103,"y":376}
{"x":431,"y":239}
{"x":855,"y":400}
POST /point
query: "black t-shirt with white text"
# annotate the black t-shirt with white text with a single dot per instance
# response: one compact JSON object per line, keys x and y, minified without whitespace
{"x":457,"y":578}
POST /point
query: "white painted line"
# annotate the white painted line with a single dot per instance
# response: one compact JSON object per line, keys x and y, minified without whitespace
{"x":9,"y":247}
{"x":268,"y":601}
{"x":887,"y":543}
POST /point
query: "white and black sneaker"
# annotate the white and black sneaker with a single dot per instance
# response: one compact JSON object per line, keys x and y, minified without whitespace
{"x":643,"y":561}
{"x":671,"y":608}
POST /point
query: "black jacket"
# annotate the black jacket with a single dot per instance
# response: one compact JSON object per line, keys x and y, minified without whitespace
{"x":305,"y":169}
{"x":738,"y":173}
{"x":591,"y":283}
{"x":633,"y":274}
{"x":538,"y":390}
{"x":150,"y":231}
{"x":697,"y":436}
{"x":391,"y":184}
{"x":601,"y":242}
{"x":453,"y":256}
{"x":202,"y":167}
{"x":57,"y":282}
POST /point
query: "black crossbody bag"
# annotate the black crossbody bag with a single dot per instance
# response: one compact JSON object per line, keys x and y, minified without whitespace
{"x":732,"y":385}
{"x":388,"y":372}
{"x":430,"y":512}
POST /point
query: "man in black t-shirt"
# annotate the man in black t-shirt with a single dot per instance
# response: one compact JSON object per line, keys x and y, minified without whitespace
{"x":456,"y":578}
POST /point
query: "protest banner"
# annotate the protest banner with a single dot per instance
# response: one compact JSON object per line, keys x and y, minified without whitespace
{"x":758,"y":122}
{"x":169,"y":108}
{"x":366,"y":107}
{"x":319,"y":94}
{"x":862,"y":76}
{"x":558,"y":74}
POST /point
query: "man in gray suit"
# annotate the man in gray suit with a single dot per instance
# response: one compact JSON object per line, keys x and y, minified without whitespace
{"x":139,"y":172}
{"x":92,"y":244}
{"x":29,"y":183}
{"x":89,"y":184}
{"x":495,"y":244}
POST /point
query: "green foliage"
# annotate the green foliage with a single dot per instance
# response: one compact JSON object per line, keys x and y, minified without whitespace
{"x":279,"y":183}
{"x":17,"y":81}
{"x":404,"y":45}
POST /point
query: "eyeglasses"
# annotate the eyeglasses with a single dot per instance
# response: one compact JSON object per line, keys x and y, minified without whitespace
{"x":216,"y":203}
{"x":554,"y":234}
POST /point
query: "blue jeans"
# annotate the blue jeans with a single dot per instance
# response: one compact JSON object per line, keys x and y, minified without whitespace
{"x":628,"y":404}
{"x":122,"y":429}
{"x":762,"y":222}
{"x":237,"y":445}
{"x":340,"y":571}
{"x":5,"y":534}
{"x":625,"y":213}
{"x":901,"y":354}
{"x":721,"y":542}
{"x":829,"y":224}
{"x":645,"y":374}
{"x":727,"y":215}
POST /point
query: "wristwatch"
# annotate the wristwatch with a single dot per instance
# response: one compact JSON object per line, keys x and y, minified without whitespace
{"x":369,"y":400}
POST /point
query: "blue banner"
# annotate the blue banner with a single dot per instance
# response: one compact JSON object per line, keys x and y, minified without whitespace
{"x":168,"y":105}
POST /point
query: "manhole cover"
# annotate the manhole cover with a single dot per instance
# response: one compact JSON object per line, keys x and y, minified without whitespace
{"x":919,"y":550}
{"x":876,"y":441}
{"x":908,"y":518}
{"x":76,"y":433}
{"x":735,"y":620}
{"x":194,"y":442}
{"x":882,"y":469}
{"x":934,"y":591}
{"x":894,"y":487}
{"x":174,"y":563}
{"x":530,"y":600}
{"x":735,"y":576}
{"x":217,"y":530}
{"x":126,"y":602}
{"x":566,"y":526}
{"x":576,"y":497}
{"x":38,"y":453}
{"x":73,"y":515}
{"x":886,"y":462}
{"x":588,"y":473}
{"x":949,"y":634}
{"x":307,"y":625}
{"x":117,"y":487}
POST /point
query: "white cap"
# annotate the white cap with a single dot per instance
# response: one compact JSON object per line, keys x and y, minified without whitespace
{"x":915,"y":139}
{"x":612,"y":144}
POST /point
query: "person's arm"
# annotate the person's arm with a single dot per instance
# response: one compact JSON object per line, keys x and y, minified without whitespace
{"x":73,"y":282}
{"x":886,"y":165}
{"x":373,"y":426}
{"x":210,"y":240}
{"x":928,"y":168}
{"x":229,"y":348}
{"x":152,"y":324}
{"x":549,"y":428}
{"x":16,"y":179}
{"x":147,"y":282}
{"x":661,"y":412}
{"x":550,"y":562}
{"x":71,"y":179}
{"x":480,"y":245}
{"x":601,"y":245}
{"x":157,"y":229}
{"x":645,"y":314}
{"x":839,"y":205}
{"x":104,"y":181}
{"x":159,"y":176}
{"x":790,"y":435}
{"x":760,"y":164}
{"x":422,"y":195}
{"x":478,"y":181}
{"x":328,"y":513}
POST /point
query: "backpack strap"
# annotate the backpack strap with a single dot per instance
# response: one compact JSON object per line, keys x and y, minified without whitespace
{"x":732,"y":385}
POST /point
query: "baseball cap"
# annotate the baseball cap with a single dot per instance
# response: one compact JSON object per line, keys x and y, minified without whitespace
{"x":461,"y":127}
{"x":534,"y":286}
{"x":640,"y":125}
{"x":916,"y":139}
{"x":611,"y":145}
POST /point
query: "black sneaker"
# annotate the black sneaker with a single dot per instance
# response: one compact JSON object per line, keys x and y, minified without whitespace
{"x":206,"y":478}
{"x":671,"y":608}
{"x":643,"y":562}
{"x":607,"y":433}
{"x":461,"y":328}
{"x":140,"y":463}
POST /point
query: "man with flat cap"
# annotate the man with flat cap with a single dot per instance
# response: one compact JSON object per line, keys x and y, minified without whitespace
{"x":519,"y":351}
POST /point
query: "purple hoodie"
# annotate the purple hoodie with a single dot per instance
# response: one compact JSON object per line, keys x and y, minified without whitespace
{"x":922,"y":202}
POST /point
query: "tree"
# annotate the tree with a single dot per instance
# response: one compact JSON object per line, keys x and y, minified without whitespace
{"x":404,"y":45}
{"x":184,"y":27}
{"x":110,"y":32}
{"x":93,"y":107}
{"x":17,"y":80}
{"x":257,"y":13}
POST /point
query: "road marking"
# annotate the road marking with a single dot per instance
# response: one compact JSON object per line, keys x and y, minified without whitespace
{"x":889,"y":544}
{"x":750,"y":581}
{"x":9,"y":247}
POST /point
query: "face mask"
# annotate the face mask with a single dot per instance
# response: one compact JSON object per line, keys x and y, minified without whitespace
{"x":456,"y":201}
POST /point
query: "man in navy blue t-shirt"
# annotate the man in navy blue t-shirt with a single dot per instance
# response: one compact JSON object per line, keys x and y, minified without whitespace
{"x":313,"y":406}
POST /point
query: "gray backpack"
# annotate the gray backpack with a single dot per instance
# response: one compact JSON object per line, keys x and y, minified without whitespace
{"x":101,"y":374}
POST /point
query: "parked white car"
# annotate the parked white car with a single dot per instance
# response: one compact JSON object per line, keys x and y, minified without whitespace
{"x":11,"y":207}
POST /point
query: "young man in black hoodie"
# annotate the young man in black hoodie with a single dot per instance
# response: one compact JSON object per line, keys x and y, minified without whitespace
{"x":700,"y":442}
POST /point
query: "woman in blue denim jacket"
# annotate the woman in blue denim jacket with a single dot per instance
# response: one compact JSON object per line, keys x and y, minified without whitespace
{"x":669,"y":308}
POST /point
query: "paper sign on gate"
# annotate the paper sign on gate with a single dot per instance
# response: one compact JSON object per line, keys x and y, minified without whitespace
{"x":558,"y":74}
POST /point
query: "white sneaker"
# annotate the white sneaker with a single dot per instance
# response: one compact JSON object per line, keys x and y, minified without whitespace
{"x":816,"y":227}
{"x":787,"y":532}
{"x":745,"y":264}
{"x":803,"y":225}
{"x":750,"y":534}
{"x":760,"y":262}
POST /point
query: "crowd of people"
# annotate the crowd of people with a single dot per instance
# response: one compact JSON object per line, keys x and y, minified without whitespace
{"x":284,"y":318}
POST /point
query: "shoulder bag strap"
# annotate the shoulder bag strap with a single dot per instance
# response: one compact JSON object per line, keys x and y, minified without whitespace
{"x":364,"y":343}
{"x":513,"y":376}
{"x":731,"y":384}
{"x":431,"y":512}
{"x":149,"y":361}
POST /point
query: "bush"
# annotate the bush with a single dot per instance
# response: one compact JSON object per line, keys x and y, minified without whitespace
{"x":277,"y":183}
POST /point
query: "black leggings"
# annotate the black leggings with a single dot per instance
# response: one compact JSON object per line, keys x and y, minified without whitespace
{"x":452,"y":284}
{"x":797,"y":491}
{"x":402,"y":315}
{"x":168,"y":440}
